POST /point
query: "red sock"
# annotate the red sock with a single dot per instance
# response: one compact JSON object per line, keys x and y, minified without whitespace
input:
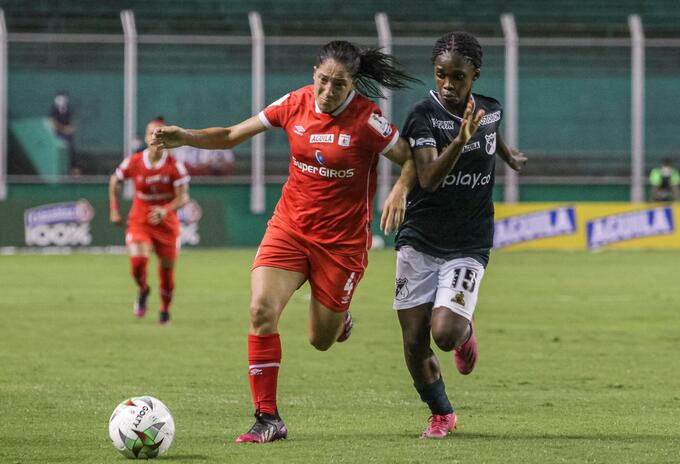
{"x":264,"y":358}
{"x":166,"y":277}
{"x":138,"y":267}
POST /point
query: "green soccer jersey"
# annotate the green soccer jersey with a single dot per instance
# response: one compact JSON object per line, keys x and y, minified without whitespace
{"x":456,"y":220}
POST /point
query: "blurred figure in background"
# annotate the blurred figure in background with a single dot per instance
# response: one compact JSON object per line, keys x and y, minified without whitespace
{"x":61,"y":117}
{"x":201,"y":162}
{"x":161,"y":188}
{"x":665,"y":182}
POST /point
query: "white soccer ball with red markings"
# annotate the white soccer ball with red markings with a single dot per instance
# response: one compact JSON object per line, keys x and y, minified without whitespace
{"x":142,"y":427}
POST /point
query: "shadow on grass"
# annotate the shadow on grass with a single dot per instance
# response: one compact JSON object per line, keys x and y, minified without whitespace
{"x":617,"y":437}
{"x":499,"y":437}
{"x":184,"y":457}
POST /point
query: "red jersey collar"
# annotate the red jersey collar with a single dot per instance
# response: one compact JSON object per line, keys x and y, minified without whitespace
{"x":340,"y":108}
{"x":147,"y":160}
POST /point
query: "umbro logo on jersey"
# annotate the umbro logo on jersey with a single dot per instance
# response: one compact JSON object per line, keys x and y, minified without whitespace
{"x":299,"y":130}
{"x":321,"y":138}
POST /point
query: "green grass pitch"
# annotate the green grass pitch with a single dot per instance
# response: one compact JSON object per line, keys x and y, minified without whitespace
{"x":579,"y":362}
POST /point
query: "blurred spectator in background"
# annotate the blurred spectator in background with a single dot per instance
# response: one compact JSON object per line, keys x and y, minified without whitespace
{"x":200,"y":162}
{"x":62,"y":121}
{"x":665,"y":182}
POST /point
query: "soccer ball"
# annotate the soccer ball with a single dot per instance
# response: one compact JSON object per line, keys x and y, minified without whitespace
{"x":141,"y":427}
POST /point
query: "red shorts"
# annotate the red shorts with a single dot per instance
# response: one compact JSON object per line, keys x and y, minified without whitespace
{"x":333,"y":277}
{"x":165,"y":242}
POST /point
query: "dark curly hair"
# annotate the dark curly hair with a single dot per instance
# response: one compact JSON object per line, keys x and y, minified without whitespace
{"x":369,"y":67}
{"x":463,"y":43}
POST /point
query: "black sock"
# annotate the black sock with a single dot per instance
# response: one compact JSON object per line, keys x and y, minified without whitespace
{"x":434,"y":395}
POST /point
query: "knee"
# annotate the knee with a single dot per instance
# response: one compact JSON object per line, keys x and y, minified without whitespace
{"x":452,"y":336}
{"x":320,"y":343}
{"x":262,"y":317}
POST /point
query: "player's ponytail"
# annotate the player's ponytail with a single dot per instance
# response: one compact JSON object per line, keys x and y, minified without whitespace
{"x":370,"y":68}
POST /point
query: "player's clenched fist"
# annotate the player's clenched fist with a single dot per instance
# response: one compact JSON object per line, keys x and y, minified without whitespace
{"x":168,"y":137}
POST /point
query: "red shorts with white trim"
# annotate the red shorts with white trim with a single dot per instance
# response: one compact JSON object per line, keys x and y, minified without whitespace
{"x":333,"y":277}
{"x":165,"y":242}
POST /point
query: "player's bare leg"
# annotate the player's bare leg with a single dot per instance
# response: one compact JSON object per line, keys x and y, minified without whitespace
{"x":166,"y":278}
{"x":452,"y":331}
{"x":425,"y":371}
{"x":326,"y":326}
{"x":271,"y":288}
{"x":139,"y":258}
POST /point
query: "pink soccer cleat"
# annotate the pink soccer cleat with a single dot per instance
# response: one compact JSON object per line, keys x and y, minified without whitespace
{"x":140,"y":302}
{"x":267,"y":428}
{"x":440,"y":426}
{"x":347,"y":329}
{"x":466,"y":354}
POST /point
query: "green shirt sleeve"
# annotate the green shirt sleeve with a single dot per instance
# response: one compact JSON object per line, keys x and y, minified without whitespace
{"x":675,"y":177}
{"x":655,"y":177}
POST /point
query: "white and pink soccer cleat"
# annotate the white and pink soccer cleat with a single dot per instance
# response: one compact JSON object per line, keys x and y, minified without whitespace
{"x":440,"y":426}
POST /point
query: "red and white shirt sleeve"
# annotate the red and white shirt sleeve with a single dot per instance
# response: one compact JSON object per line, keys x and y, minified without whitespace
{"x":380,"y":134}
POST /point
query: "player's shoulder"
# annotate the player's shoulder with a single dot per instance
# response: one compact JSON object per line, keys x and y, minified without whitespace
{"x":134,"y":159}
{"x":486,"y":103}
{"x":295,"y":97}
{"x":425,"y":105}
{"x":364,"y":104}
{"x":368,"y":116}
{"x":172,"y":161}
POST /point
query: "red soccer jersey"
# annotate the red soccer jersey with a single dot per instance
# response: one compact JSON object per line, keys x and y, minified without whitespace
{"x":154,"y":185}
{"x":332,"y":178}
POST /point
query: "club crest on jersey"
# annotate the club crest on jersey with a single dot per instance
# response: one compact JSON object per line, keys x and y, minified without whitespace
{"x":379,"y":124}
{"x":299,"y":130}
{"x":343,"y":140}
{"x":319,"y":157}
{"x":490,"y":143}
{"x":402,"y":292}
{"x":321,"y":138}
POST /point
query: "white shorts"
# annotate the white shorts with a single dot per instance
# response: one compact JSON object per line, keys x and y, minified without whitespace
{"x":422,"y":278}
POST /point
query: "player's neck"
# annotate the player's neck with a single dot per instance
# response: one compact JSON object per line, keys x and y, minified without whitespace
{"x":155,"y":155}
{"x":458,"y":109}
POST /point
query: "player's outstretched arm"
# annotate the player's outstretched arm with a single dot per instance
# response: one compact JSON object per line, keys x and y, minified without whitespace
{"x":395,"y":204}
{"x":433,"y":167}
{"x":212,"y":138}
{"x":513,"y":158}
{"x":114,"y":191}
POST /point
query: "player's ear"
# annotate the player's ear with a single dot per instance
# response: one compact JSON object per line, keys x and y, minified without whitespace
{"x":477,"y":74}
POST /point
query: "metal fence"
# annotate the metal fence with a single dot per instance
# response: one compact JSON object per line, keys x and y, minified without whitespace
{"x":575,"y":105}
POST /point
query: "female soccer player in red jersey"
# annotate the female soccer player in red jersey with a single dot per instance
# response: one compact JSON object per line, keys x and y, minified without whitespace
{"x":321,"y":228}
{"x":445,"y":239}
{"x":161,"y":188}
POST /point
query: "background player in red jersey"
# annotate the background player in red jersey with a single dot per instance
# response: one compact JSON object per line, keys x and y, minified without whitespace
{"x":321,"y":227}
{"x":161,"y":188}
